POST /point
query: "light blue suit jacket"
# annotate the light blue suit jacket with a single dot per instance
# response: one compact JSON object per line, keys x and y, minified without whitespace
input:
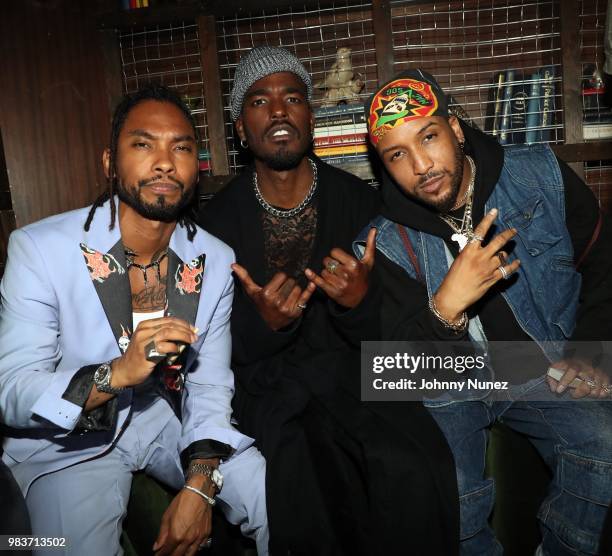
{"x":65,"y":302}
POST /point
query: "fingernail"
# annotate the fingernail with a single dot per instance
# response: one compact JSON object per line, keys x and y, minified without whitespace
{"x":561,"y":388}
{"x":493,"y":212}
{"x":172,"y":359}
{"x":195,"y":329}
{"x":182,"y":348}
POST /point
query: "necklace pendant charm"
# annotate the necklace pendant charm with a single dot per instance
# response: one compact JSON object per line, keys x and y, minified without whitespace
{"x":461,"y":239}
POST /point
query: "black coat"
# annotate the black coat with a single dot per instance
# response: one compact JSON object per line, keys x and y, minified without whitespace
{"x":343,"y":476}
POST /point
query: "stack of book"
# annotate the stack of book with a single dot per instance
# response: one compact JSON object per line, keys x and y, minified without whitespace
{"x":597,"y":116}
{"x":341,"y":138}
{"x":133,"y":4}
{"x":203,"y":160}
{"x":521,"y":106}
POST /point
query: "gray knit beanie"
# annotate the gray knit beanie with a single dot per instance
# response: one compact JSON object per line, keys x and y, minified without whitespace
{"x":259,"y":63}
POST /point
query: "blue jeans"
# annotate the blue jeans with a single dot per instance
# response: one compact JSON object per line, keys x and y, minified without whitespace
{"x":575,"y":440}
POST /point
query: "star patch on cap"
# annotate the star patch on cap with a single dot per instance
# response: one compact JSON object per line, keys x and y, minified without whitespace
{"x":398,"y":102}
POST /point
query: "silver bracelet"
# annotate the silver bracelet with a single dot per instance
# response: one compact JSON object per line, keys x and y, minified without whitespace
{"x":456,"y":326}
{"x":208,"y":499}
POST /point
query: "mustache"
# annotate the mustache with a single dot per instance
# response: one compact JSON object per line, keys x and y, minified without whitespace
{"x":429,"y":176}
{"x":150,"y":181}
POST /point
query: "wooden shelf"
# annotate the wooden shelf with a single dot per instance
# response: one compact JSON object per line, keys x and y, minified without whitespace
{"x":582,"y":152}
{"x":143,"y":17}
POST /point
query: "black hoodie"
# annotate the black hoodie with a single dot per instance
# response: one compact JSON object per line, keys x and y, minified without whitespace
{"x":405,"y":311}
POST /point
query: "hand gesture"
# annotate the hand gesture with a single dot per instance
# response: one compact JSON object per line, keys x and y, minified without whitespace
{"x":582,"y":377}
{"x":163,"y":336}
{"x":185,"y":525}
{"x":474,"y":271}
{"x":344,"y":278}
{"x":280,"y":301}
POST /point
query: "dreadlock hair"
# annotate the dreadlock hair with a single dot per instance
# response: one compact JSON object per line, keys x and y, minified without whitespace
{"x":152,"y":91}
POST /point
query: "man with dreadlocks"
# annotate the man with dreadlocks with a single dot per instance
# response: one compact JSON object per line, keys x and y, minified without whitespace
{"x":114,"y":328}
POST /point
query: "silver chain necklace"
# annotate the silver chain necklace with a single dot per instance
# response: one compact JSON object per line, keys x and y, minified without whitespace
{"x":287,"y":213}
{"x":464,"y":233}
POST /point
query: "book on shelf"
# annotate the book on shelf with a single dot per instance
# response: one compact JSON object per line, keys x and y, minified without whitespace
{"x":596,"y":111}
{"x":521,"y":107}
{"x":597,"y":131}
{"x":348,"y":119}
{"x":336,"y":140}
{"x":532,"y":121}
{"x":348,"y":129}
{"x":495,"y":103}
{"x":340,"y":110}
{"x":506,"y":109}
{"x":324,"y":152}
{"x":358,"y":164}
{"x":547,"y":92}
{"x":518,"y":110}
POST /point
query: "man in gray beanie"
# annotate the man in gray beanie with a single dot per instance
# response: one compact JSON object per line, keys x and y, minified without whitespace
{"x":339,"y":471}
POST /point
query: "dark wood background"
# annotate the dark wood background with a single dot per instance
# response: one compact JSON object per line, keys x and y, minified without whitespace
{"x":54,"y":111}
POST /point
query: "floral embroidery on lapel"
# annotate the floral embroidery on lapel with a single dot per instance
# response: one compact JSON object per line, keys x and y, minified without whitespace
{"x":188,"y":276}
{"x":100,"y":265}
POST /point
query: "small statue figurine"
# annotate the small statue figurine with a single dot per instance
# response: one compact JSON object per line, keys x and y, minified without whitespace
{"x":341,"y":82}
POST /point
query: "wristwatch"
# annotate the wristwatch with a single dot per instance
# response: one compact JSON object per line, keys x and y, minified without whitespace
{"x":208,"y":471}
{"x":102,"y":379}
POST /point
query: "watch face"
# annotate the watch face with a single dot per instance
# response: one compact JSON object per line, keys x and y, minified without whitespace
{"x":101,"y":374}
{"x":217,"y":478}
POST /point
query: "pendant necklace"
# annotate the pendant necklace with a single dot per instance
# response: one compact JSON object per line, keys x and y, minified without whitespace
{"x":131,"y":255}
{"x":464,"y":233}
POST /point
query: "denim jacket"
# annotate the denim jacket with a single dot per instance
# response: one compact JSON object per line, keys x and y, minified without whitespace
{"x":529,"y":196}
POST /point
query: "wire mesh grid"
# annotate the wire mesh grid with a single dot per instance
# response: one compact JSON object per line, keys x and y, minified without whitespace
{"x":598,"y":176}
{"x":313,"y":33}
{"x":499,"y":59}
{"x":597,"y":115}
{"x":170,"y":55}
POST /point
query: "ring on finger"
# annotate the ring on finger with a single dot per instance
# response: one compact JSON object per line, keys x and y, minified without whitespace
{"x":503,"y":271}
{"x":332,"y":266}
{"x":151,"y":353}
{"x":590,"y":382}
{"x":301,"y":306}
{"x":476,"y":237}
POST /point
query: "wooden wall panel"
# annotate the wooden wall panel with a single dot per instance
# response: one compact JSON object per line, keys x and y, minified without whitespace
{"x":54,"y":112}
{"x":7,"y":216}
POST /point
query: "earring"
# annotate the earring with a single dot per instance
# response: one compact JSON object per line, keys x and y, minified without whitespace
{"x":462,"y":145}
{"x":244,"y":144}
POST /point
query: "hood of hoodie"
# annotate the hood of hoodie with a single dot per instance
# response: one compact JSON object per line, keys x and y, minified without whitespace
{"x":488,"y":156}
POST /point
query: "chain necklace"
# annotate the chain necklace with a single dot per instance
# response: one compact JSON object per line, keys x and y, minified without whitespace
{"x":464,"y":233}
{"x":131,"y":255}
{"x":287,"y":213}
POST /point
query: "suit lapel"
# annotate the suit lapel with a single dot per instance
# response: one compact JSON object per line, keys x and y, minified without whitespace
{"x":109,"y":277}
{"x":184,"y":285}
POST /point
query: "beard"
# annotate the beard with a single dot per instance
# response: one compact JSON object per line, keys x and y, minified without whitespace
{"x":283,"y":159}
{"x":160,"y":210}
{"x":446,"y":203}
